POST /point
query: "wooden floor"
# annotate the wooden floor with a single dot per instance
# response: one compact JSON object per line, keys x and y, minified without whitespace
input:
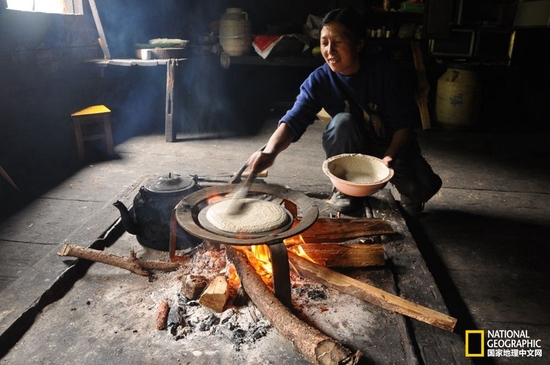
{"x":484,"y":236}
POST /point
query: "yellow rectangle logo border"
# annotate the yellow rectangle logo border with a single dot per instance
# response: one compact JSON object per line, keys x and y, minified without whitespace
{"x":467,"y":347}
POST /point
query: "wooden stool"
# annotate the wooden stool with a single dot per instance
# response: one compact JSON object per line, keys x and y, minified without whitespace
{"x":85,"y":131}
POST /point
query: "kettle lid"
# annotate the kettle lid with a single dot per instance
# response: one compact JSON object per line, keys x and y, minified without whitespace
{"x":169,"y":183}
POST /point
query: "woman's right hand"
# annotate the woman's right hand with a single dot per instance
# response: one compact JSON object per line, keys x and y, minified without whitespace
{"x":259,"y":161}
{"x":278,"y":142}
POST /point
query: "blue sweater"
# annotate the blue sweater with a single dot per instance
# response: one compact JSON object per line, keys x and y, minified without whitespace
{"x":378,"y":88}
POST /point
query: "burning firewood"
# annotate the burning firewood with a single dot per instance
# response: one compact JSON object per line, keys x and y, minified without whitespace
{"x":350,"y":255}
{"x":132,"y":263}
{"x":371,"y":294}
{"x":315,"y":346}
{"x":216,"y":294}
{"x":326,"y":230}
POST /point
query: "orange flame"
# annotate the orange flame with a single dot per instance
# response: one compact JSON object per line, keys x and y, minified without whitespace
{"x":294,"y":244}
{"x":260,"y":258}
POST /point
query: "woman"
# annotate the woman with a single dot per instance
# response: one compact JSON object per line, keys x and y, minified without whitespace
{"x":373,"y":112}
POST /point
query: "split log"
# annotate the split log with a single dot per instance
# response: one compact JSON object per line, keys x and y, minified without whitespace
{"x":315,"y":346}
{"x":162,"y":314}
{"x":216,"y":294}
{"x":371,"y":294}
{"x":132,"y":263}
{"x":343,"y":254}
{"x":327,"y":230}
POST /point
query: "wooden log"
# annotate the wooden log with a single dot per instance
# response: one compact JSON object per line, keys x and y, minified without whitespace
{"x":132,"y":263}
{"x":371,"y":294}
{"x":216,"y":294}
{"x":162,"y":314}
{"x":327,"y":230}
{"x":350,"y":255}
{"x":315,"y":346}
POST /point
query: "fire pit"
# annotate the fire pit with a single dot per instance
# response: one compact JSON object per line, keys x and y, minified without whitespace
{"x":189,"y":214}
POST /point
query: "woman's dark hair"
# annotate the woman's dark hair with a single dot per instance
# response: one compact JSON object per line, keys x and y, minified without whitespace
{"x":348,"y":17}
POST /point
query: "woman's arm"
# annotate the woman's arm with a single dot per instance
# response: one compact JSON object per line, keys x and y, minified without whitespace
{"x":400,"y":139}
{"x":278,"y":142}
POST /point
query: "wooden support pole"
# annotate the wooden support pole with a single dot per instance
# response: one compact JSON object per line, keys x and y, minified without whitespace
{"x":371,"y":294}
{"x":423,"y":87}
{"x":315,"y":346}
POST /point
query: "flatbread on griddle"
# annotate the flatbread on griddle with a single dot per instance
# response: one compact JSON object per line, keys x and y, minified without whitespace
{"x":255,"y":216}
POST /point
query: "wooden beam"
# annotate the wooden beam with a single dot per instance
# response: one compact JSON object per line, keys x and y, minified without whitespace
{"x":102,"y":39}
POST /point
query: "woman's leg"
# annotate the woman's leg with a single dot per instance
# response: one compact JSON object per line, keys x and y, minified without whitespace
{"x":413,"y":176}
{"x":344,"y":134}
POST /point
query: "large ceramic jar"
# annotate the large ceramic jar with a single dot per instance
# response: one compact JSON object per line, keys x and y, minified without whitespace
{"x":235,"y":32}
{"x":458,"y":100}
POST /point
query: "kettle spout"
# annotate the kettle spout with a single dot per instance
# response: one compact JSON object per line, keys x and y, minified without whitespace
{"x":129,"y":224}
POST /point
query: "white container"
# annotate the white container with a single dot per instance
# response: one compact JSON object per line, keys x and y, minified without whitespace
{"x":235,"y":32}
{"x":458,"y":101}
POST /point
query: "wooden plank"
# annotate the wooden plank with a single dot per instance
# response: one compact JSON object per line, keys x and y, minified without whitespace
{"x":24,"y":298}
{"x":127,"y":62}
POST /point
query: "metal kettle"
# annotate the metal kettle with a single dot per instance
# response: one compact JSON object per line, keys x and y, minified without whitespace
{"x":150,"y":216}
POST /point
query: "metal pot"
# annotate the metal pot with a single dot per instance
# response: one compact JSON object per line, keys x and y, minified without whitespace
{"x":151,"y":212}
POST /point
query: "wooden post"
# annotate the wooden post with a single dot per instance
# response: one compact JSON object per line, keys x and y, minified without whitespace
{"x":423,"y":87}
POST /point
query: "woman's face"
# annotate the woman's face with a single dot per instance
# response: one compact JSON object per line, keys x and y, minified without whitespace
{"x":340,"y":52}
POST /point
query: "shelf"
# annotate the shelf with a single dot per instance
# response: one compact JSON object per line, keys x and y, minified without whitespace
{"x":254,"y":60}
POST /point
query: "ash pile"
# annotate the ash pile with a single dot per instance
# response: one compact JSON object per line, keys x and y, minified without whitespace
{"x":204,"y":298}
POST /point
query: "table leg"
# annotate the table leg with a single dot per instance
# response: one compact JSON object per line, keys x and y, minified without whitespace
{"x":170,"y":131}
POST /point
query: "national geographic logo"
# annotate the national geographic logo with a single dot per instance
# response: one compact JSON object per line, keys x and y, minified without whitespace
{"x":475,"y":343}
{"x":501,"y":343}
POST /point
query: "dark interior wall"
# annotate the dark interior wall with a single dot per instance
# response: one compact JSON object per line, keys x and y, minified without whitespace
{"x":43,"y":79}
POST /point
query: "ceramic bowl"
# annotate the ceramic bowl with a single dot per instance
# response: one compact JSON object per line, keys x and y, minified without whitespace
{"x":357,"y":174}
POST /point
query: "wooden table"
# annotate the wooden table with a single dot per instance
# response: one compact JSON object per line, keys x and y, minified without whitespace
{"x":171,"y":63}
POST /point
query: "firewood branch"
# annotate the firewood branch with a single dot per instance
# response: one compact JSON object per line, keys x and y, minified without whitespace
{"x":315,"y":346}
{"x":371,"y":294}
{"x":132,"y":263}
